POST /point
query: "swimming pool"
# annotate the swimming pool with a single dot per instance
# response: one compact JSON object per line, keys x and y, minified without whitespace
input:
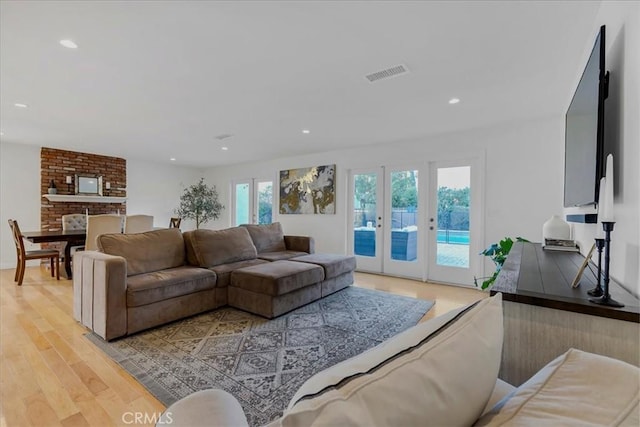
{"x":458,"y":237}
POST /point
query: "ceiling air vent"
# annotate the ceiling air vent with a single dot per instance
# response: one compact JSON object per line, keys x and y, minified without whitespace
{"x":223,"y":136}
{"x":389,"y":72}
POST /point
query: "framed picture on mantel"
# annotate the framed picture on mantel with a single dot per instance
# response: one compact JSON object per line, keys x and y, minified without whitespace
{"x":88,"y":185}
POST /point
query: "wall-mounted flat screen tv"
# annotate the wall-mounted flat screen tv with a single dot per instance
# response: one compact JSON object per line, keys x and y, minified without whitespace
{"x":584,"y":132}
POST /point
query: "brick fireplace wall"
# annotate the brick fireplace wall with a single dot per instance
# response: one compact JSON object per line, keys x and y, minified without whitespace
{"x":56,"y":165}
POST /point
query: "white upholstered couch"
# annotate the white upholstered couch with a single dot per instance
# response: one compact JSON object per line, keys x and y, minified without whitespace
{"x":443,"y":372}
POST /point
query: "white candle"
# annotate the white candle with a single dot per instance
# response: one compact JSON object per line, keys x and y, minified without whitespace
{"x":603,"y":188}
{"x":607,"y":215}
{"x":69,"y":179}
{"x":107,"y":186}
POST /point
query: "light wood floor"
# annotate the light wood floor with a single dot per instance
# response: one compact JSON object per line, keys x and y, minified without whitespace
{"x":52,"y":376}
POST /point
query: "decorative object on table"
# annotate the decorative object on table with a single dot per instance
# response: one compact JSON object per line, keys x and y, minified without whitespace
{"x":261,"y":362}
{"x":200,"y":202}
{"x":585,"y":263}
{"x":174,"y":222}
{"x":69,"y":181}
{"x":498,"y":253}
{"x":606,"y":217}
{"x":308,"y":190}
{"x":52,"y":188}
{"x":565,"y":245}
{"x":556,"y":228}
{"x":598,"y":291}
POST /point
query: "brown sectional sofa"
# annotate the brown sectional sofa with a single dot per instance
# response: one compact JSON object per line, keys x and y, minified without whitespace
{"x":138,"y":281}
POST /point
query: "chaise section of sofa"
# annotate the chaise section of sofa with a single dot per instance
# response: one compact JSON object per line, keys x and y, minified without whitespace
{"x":138,"y":281}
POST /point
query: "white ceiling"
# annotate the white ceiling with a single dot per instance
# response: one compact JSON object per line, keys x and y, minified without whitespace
{"x":155,"y":80}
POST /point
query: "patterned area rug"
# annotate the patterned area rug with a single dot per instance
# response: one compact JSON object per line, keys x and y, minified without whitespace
{"x":261,"y":362}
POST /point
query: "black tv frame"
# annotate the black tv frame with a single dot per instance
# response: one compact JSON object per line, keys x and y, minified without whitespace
{"x":603,"y":93}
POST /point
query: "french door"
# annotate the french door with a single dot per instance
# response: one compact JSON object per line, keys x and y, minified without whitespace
{"x":367,"y":208}
{"x":252,"y":201}
{"x":384,"y":222}
{"x":455,"y":237}
{"x":418,"y":221}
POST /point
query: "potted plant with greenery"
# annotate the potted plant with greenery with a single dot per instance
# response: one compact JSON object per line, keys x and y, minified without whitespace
{"x":200,"y":203}
{"x":498,"y":253}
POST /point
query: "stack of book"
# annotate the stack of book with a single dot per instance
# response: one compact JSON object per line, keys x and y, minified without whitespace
{"x":560,"y":245}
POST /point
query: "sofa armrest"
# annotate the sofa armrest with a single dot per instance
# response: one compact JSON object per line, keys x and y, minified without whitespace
{"x":100,"y":293}
{"x":300,"y":244}
{"x":205,"y":408}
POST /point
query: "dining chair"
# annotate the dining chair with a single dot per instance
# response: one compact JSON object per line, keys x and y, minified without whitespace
{"x":74,"y":222}
{"x":24,"y":255}
{"x":138,"y":223}
{"x":174,"y":222}
{"x":101,"y":224}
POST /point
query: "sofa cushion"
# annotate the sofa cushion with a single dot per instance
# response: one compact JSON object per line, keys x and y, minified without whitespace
{"x":280,"y":255}
{"x":224,"y":271}
{"x":277,"y":278}
{"x":208,"y":248}
{"x":267,"y":237}
{"x":157,"y":286}
{"x":575,"y":389}
{"x":440,"y":372}
{"x":146,"y":252}
{"x":334,"y":265}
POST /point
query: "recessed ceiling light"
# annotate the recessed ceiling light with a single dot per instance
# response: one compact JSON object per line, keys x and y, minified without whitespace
{"x":224,"y":148}
{"x":20,"y":105}
{"x":173,"y":159}
{"x":454,"y":100}
{"x":1,"y":133}
{"x":306,"y":131}
{"x":68,"y":44}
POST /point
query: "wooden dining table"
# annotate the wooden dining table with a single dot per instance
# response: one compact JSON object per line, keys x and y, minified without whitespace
{"x":69,"y":237}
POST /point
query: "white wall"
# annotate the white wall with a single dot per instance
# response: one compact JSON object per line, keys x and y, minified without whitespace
{"x":155,"y":189}
{"x":622,"y":20}
{"x":523,"y":178}
{"x":19,"y":195}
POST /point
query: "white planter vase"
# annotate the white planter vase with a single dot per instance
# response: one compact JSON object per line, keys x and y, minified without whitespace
{"x":556,"y":228}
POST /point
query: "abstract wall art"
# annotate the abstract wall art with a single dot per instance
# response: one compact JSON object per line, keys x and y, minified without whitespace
{"x":308,"y":190}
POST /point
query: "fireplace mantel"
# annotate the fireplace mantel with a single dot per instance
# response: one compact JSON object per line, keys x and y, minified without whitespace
{"x":69,"y":198}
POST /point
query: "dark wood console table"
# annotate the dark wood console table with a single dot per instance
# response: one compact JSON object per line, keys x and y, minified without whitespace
{"x":544,"y":316}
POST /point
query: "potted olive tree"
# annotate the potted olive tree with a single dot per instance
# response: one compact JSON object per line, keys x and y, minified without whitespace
{"x":200,"y":203}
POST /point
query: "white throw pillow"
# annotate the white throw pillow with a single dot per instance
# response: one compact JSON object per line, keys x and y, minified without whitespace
{"x":440,"y":372}
{"x":576,"y":389}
